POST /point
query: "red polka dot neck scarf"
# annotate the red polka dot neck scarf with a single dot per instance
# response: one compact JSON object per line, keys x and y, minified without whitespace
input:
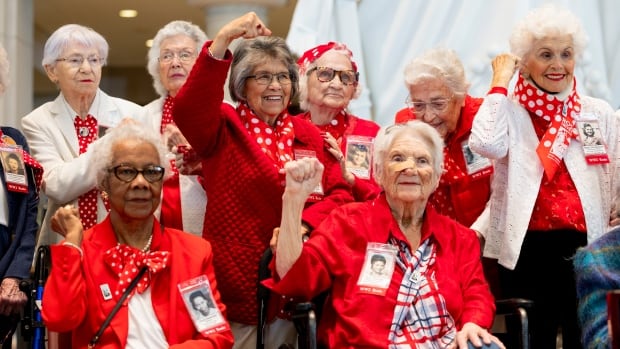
{"x":277,"y":141}
{"x":336,"y":127}
{"x":560,"y":115}
{"x":86,"y":130}
{"x":126,"y":263}
{"x":29,"y":161}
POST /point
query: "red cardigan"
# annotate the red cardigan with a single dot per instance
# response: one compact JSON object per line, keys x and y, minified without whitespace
{"x":469,"y":196}
{"x":244,"y":188}
{"x":73,"y":300}
{"x":334,"y":256}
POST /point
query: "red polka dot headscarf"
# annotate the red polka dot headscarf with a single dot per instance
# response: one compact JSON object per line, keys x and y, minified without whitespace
{"x":314,"y":53}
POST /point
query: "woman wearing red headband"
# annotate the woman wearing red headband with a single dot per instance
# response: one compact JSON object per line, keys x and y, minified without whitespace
{"x":328,"y":80}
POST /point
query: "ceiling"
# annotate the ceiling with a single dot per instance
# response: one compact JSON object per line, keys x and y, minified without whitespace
{"x":127,"y":36}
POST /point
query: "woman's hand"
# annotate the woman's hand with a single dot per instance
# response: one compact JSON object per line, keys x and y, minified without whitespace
{"x":302,"y":176}
{"x":334,"y":149}
{"x":474,"y":334}
{"x":11,"y":298}
{"x":66,"y":222}
{"x":504,"y":67}
{"x":247,"y":26}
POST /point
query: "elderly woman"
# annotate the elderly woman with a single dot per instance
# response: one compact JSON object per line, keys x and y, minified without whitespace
{"x":18,"y":218}
{"x":328,"y":80}
{"x":243,"y":149}
{"x":59,"y":132}
{"x":550,"y":196}
{"x":434,"y":295}
{"x":170,"y":59}
{"x":93,"y":271}
{"x":438,"y":96}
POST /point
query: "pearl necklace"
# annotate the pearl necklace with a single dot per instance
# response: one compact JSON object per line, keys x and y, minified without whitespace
{"x":148,"y":244}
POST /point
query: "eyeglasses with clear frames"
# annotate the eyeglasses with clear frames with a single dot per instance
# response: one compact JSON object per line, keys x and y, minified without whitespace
{"x":265,"y":78}
{"x":184,"y":56}
{"x":126,"y":173}
{"x":438,"y":105}
{"x":76,"y":61}
{"x":326,"y":74}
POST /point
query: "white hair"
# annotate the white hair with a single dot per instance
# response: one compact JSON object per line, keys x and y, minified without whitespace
{"x":70,"y":34}
{"x":438,"y":63}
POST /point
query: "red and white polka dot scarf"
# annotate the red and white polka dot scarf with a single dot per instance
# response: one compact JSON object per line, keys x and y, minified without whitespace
{"x":336,"y":127}
{"x":560,"y":115}
{"x":86,"y":130}
{"x":277,"y":141}
{"x":126,"y":263}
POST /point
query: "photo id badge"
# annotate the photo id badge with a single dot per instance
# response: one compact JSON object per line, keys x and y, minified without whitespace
{"x":200,"y":304}
{"x":12,"y":158}
{"x":477,"y":165}
{"x":359,"y":156}
{"x":318,"y":193}
{"x":593,"y":144}
{"x":378,"y":268}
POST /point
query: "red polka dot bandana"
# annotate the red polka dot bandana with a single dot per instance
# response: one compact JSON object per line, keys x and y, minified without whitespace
{"x":277,"y":141}
{"x":336,"y":127}
{"x":86,"y":130}
{"x":560,"y":115}
{"x":126,"y":263}
{"x":314,"y":53}
{"x":28,"y":160}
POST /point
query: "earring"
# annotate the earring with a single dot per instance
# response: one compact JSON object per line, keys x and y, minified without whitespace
{"x":104,"y":195}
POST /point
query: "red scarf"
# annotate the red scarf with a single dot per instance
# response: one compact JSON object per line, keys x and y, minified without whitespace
{"x":560,"y":115}
{"x":336,"y":127}
{"x":171,"y":214}
{"x":275,"y":141}
{"x":37,"y":169}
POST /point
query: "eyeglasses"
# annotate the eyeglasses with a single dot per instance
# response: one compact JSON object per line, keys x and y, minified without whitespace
{"x":438,"y":105}
{"x":325,"y":74}
{"x":128,"y":173}
{"x":267,"y":78}
{"x":77,"y":61}
{"x":184,"y":56}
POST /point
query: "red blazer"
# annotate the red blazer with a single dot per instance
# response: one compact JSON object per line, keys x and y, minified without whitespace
{"x":73,"y":299}
{"x":469,"y":196}
{"x":243,"y":187}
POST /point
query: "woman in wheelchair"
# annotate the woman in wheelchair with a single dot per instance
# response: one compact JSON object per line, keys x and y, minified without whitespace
{"x":127,"y":281}
{"x":434,"y":293}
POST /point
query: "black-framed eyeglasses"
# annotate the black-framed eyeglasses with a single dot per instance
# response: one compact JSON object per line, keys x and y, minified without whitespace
{"x":265,"y":78}
{"x":325,"y":74}
{"x":438,"y":105}
{"x":76,"y":61}
{"x":184,"y":56}
{"x":126,"y":173}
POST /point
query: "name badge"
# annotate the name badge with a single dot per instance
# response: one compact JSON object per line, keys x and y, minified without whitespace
{"x":12,"y":158}
{"x":201,"y":306}
{"x":592,"y":142}
{"x":378,"y":268}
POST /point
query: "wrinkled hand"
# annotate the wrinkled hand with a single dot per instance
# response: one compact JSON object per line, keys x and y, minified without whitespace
{"x":504,"y":67}
{"x":187,"y":160}
{"x":11,"y":298}
{"x":614,"y":218}
{"x":302,"y":176}
{"x":173,"y":136}
{"x":248,"y":26}
{"x":334,"y":149}
{"x":474,"y":334}
{"x":66,"y":222}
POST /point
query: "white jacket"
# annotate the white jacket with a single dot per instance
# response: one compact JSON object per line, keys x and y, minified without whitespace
{"x":193,"y":196}
{"x":503,"y":131}
{"x":54,"y":144}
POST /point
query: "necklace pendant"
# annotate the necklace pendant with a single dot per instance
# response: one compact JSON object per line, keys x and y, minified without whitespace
{"x":84,"y":131}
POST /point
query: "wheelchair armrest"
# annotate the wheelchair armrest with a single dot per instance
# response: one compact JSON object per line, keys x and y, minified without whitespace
{"x":512,"y":305}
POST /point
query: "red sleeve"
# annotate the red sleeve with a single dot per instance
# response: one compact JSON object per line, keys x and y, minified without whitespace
{"x":365,"y":189}
{"x":64,"y":303}
{"x":403,"y":115}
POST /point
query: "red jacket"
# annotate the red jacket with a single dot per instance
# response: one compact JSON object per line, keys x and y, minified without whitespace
{"x":243,"y":187}
{"x":73,"y":299}
{"x":469,"y":195}
{"x":363,"y":189}
{"x":334,"y":256}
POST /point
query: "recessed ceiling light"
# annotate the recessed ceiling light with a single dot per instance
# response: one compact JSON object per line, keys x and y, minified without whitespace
{"x":149,"y":43}
{"x":128,"y":13}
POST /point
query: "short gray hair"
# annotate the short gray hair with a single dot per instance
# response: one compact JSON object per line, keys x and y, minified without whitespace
{"x":250,"y":53}
{"x":543,"y":22}
{"x":70,"y":34}
{"x":171,"y":29}
{"x":4,"y":69}
{"x":387,"y":135}
{"x":102,"y":157}
{"x":438,"y":63}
